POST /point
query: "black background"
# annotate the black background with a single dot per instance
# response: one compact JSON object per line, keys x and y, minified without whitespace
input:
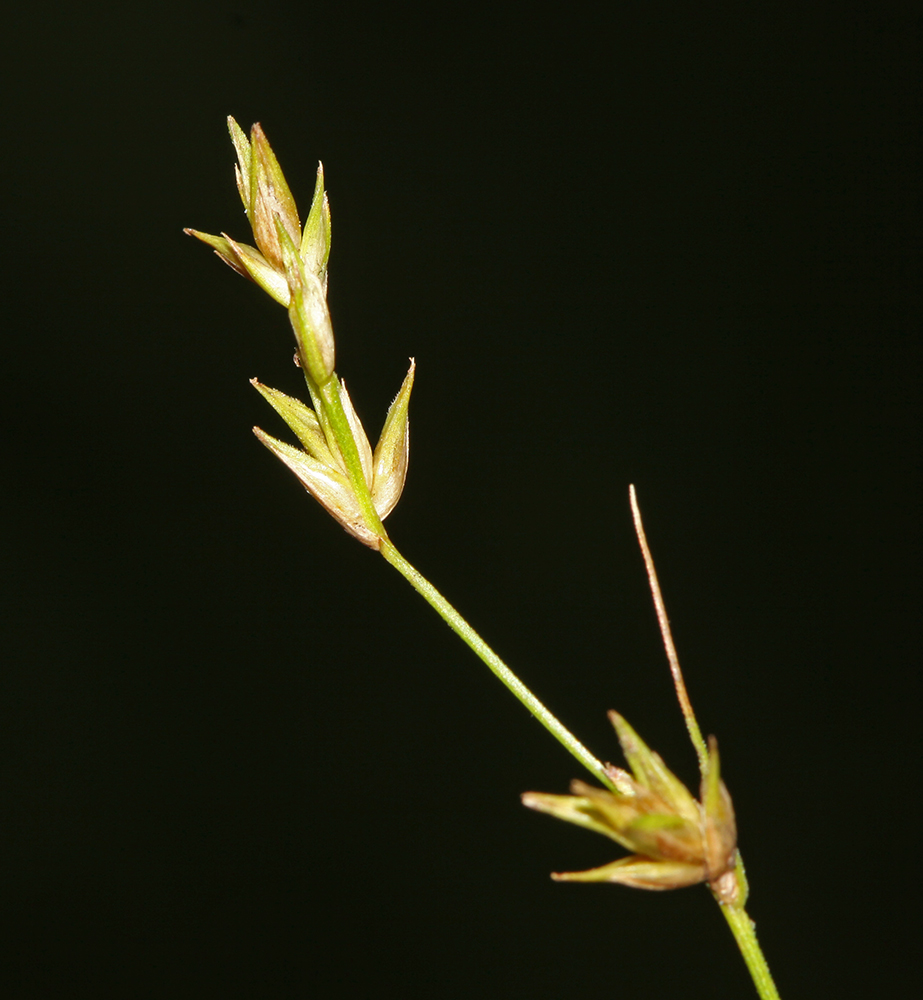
{"x":667,"y":245}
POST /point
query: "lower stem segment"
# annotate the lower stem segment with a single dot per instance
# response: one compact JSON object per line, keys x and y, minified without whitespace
{"x":743,"y":929}
{"x":458,"y":625}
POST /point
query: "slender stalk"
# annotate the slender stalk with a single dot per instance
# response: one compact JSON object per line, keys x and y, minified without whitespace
{"x":744,"y":931}
{"x":458,"y":624}
{"x":695,"y":734}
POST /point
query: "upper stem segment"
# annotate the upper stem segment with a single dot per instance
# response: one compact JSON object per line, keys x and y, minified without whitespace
{"x":458,"y":624}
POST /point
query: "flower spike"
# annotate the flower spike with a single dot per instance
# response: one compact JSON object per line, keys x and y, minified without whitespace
{"x":322,"y":468}
{"x":273,"y":217}
{"x":335,"y":463}
{"x":676,"y":841}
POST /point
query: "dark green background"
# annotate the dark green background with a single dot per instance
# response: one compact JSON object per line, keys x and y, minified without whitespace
{"x":671,"y":245}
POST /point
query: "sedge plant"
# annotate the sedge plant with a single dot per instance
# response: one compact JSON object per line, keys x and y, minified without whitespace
{"x":674,"y":839}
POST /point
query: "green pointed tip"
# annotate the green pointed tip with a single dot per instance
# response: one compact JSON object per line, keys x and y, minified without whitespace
{"x":270,"y":197}
{"x":590,"y":807}
{"x":650,"y":771}
{"x":247,"y":261}
{"x":239,"y":137}
{"x":640,"y":873}
{"x":315,"y":241}
{"x":223,"y":247}
{"x":635,"y":749}
{"x":242,"y":171}
{"x":215,"y":242}
{"x":392,"y":453}
{"x":570,"y":808}
{"x":300,"y":418}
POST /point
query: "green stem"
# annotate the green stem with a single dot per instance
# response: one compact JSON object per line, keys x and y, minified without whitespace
{"x":458,"y":624}
{"x":743,"y":929}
